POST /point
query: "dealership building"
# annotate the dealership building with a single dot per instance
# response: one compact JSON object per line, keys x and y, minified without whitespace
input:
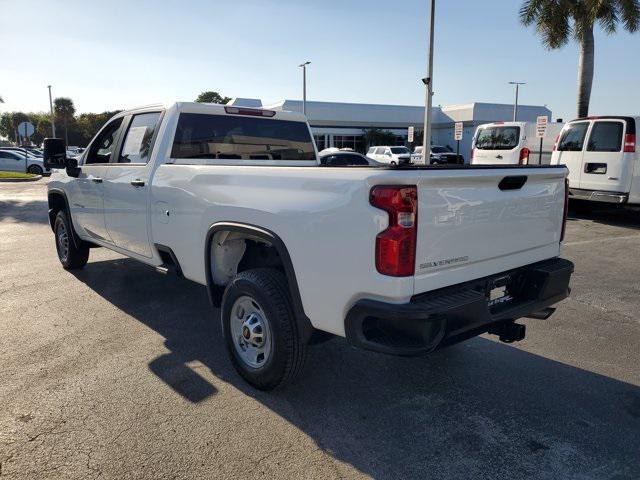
{"x":343,"y":125}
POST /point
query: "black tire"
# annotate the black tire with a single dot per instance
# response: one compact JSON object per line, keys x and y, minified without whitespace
{"x":35,"y":169}
{"x":70,"y":256}
{"x":268,"y":287}
{"x":392,"y":162}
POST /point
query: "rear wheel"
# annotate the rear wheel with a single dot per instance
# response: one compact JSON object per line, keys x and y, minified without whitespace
{"x":260,"y":329}
{"x":70,"y":256}
{"x":35,"y":169}
{"x":392,"y":162}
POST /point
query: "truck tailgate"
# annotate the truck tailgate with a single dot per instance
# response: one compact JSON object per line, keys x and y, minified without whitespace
{"x":471,"y":225}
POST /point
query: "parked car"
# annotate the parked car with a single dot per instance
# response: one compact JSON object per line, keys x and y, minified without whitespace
{"x":603,"y":159}
{"x":438,"y":156}
{"x":341,"y":158}
{"x":390,"y":155}
{"x":13,"y":161}
{"x":444,"y":156}
{"x":512,"y":143}
{"x":74,"y":151}
{"x":21,"y":151}
{"x":397,"y":260}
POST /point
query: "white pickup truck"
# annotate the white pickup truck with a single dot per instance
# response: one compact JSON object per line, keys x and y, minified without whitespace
{"x":401,"y":260}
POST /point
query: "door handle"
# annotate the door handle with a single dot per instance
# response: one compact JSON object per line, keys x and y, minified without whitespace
{"x":499,"y":157}
{"x":96,"y":180}
{"x":137,"y":182}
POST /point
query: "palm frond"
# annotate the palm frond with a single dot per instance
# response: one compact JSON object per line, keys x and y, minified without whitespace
{"x":630,"y":14}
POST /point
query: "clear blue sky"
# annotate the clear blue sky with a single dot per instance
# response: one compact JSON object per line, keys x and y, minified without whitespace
{"x":118,"y":54}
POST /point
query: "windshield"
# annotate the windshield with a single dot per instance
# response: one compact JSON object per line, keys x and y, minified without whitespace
{"x":498,"y":138}
{"x":436,"y":149}
{"x":399,"y":150}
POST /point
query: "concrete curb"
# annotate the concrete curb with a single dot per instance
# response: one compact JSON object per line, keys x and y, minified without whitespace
{"x":17,"y":180}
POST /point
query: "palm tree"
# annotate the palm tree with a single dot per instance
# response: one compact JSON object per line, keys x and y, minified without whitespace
{"x":557,"y":21}
{"x":64,"y":110}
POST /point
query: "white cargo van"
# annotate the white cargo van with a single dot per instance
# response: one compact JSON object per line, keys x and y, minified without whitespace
{"x":601,"y":155}
{"x":512,"y":143}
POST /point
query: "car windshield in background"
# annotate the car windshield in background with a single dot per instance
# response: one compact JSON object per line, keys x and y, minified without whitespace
{"x":439,"y":150}
{"x":241,"y":138}
{"x":498,"y":138}
{"x":399,"y":150}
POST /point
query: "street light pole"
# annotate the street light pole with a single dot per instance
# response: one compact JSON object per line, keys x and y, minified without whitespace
{"x":304,"y":86}
{"x":515,"y":105}
{"x":428,"y":81}
{"x":53,"y":125}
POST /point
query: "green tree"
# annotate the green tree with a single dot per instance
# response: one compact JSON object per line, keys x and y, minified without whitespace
{"x":212,"y":97}
{"x":376,"y":136}
{"x":557,"y":21}
{"x":64,"y":110}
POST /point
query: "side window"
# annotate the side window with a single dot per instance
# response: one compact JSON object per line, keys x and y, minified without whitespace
{"x":572,"y":139}
{"x":7,"y":155}
{"x":138,"y":141}
{"x":104,"y":144}
{"x":380,"y":151}
{"x":371,"y":150}
{"x":605,"y":137}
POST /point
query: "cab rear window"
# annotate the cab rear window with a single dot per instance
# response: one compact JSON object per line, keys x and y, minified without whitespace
{"x":233,"y":137}
{"x":498,"y":138}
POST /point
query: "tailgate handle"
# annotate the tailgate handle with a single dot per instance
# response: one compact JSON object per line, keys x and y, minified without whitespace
{"x":514,"y":182}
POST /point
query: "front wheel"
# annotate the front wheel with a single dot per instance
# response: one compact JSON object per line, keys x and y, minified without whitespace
{"x":260,"y":329}
{"x":35,"y":169}
{"x":70,"y":256}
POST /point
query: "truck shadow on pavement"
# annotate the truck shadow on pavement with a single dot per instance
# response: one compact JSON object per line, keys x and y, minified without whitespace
{"x":606,"y":214}
{"x":24,"y":211}
{"x":477,"y":410}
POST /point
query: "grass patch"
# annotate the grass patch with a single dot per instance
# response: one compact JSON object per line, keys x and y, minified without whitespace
{"x":16,"y":175}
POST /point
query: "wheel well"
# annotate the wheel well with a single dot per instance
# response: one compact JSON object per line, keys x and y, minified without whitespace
{"x":234,"y":252}
{"x":232,"y":247}
{"x":57,"y":202}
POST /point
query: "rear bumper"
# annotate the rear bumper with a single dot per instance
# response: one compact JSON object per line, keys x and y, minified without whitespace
{"x":453,"y":314}
{"x":598,"y":195}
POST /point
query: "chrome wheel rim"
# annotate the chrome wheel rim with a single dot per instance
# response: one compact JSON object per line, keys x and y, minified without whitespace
{"x":250,"y":332}
{"x":63,"y":242}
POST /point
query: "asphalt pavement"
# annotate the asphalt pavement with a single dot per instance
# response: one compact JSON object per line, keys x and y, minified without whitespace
{"x":118,"y":372}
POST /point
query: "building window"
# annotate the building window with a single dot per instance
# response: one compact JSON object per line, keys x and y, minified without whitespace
{"x":320,"y":142}
{"x":354,"y":142}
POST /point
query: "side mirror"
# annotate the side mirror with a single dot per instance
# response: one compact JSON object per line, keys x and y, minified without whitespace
{"x":55,"y":153}
{"x":72,"y":167}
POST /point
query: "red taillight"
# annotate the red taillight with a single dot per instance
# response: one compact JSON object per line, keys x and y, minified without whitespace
{"x":555,"y":144}
{"x":396,"y":245}
{"x":629,"y":143}
{"x":254,"y":112}
{"x":566,"y":208}
{"x":524,"y":156}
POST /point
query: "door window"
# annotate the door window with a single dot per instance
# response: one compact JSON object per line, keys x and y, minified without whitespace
{"x":572,"y":139}
{"x":104,"y":144}
{"x":605,"y":137}
{"x":139,"y":139}
{"x":380,"y":151}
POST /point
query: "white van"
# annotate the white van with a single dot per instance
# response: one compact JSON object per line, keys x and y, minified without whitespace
{"x":602,"y":158}
{"x":391,"y":155}
{"x":512,"y":143}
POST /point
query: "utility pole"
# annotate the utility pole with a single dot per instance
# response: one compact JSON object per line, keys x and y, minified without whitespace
{"x":304,"y":86}
{"x":428,"y":81}
{"x":53,"y":125}
{"x":515,"y":105}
